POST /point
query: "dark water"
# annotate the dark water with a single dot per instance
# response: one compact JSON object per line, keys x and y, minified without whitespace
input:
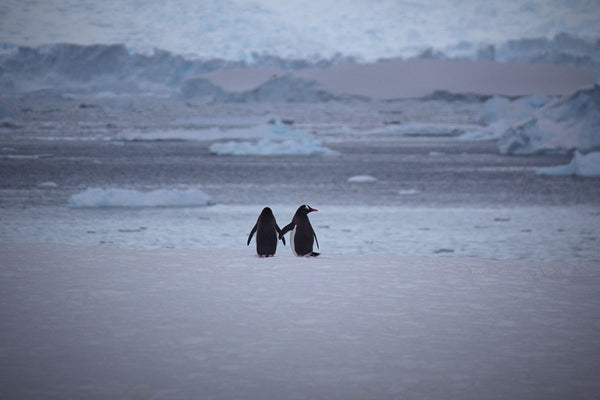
{"x":434,"y":172}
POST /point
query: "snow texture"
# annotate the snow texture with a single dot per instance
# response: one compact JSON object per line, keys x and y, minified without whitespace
{"x":98,"y":323}
{"x":587,"y":165}
{"x":115,"y":197}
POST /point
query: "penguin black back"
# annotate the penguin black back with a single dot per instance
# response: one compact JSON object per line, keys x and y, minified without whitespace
{"x":266,"y":230}
{"x":302,"y":234}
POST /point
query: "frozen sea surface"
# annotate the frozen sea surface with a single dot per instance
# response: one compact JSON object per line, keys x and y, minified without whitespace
{"x":97,"y":323}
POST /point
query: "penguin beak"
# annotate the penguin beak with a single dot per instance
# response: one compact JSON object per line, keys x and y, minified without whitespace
{"x":312,"y":209}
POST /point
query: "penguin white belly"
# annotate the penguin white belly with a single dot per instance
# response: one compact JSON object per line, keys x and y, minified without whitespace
{"x":292,"y":237}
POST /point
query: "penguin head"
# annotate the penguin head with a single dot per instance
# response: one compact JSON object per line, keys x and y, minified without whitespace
{"x":266,"y":212}
{"x":305,"y":209}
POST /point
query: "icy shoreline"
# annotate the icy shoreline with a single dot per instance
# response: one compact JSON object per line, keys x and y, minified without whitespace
{"x":111,"y":323}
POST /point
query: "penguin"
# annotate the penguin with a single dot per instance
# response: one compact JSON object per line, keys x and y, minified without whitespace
{"x":301,"y":238}
{"x":266,"y":229}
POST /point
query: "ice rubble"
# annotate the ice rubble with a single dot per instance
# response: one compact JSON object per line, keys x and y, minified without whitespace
{"x":116,"y":197}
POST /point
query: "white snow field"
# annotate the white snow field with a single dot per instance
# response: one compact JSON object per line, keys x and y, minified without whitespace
{"x":99,"y":323}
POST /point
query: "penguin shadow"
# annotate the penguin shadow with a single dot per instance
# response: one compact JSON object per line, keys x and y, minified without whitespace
{"x":268,"y":233}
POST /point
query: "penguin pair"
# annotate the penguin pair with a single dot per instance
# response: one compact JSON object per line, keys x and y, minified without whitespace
{"x":267,"y":232}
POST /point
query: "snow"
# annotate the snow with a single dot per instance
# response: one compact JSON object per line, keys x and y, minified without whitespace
{"x":571,"y":122}
{"x":362,"y":179}
{"x":92,"y":322}
{"x":587,"y":165}
{"x":117,"y":197}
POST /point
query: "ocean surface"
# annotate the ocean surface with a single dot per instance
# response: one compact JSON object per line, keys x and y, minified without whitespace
{"x":139,"y":172}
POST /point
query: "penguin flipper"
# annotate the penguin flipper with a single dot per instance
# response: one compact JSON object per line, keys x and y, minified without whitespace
{"x":287,"y":228}
{"x":251,"y":234}
{"x":280,"y":234}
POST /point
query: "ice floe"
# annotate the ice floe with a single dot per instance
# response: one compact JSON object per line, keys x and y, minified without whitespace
{"x":116,"y":197}
{"x":362,"y":179}
{"x":269,"y":147}
{"x":275,"y":139}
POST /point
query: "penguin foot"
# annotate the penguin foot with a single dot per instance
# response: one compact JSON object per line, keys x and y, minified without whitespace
{"x":313,"y":254}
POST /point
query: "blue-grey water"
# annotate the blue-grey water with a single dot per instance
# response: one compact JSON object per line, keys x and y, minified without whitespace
{"x":432,"y":195}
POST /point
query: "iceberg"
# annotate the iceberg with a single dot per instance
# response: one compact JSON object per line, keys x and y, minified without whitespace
{"x":561,"y":126}
{"x":115,"y":197}
{"x":586,"y":165}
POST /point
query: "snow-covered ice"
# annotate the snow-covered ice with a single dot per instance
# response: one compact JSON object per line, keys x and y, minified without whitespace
{"x":117,"y":197}
{"x":97,"y":323}
{"x":542,"y":233}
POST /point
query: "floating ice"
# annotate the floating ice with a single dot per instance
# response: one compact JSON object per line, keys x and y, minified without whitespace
{"x":109,"y":198}
{"x":362,"y":179}
{"x":500,"y":113}
{"x":587,"y":165}
{"x":276,"y":139}
{"x":268,"y":147}
{"x":408,"y":192}
{"x":48,"y":184}
{"x":572,"y":122}
{"x":273,"y":132}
